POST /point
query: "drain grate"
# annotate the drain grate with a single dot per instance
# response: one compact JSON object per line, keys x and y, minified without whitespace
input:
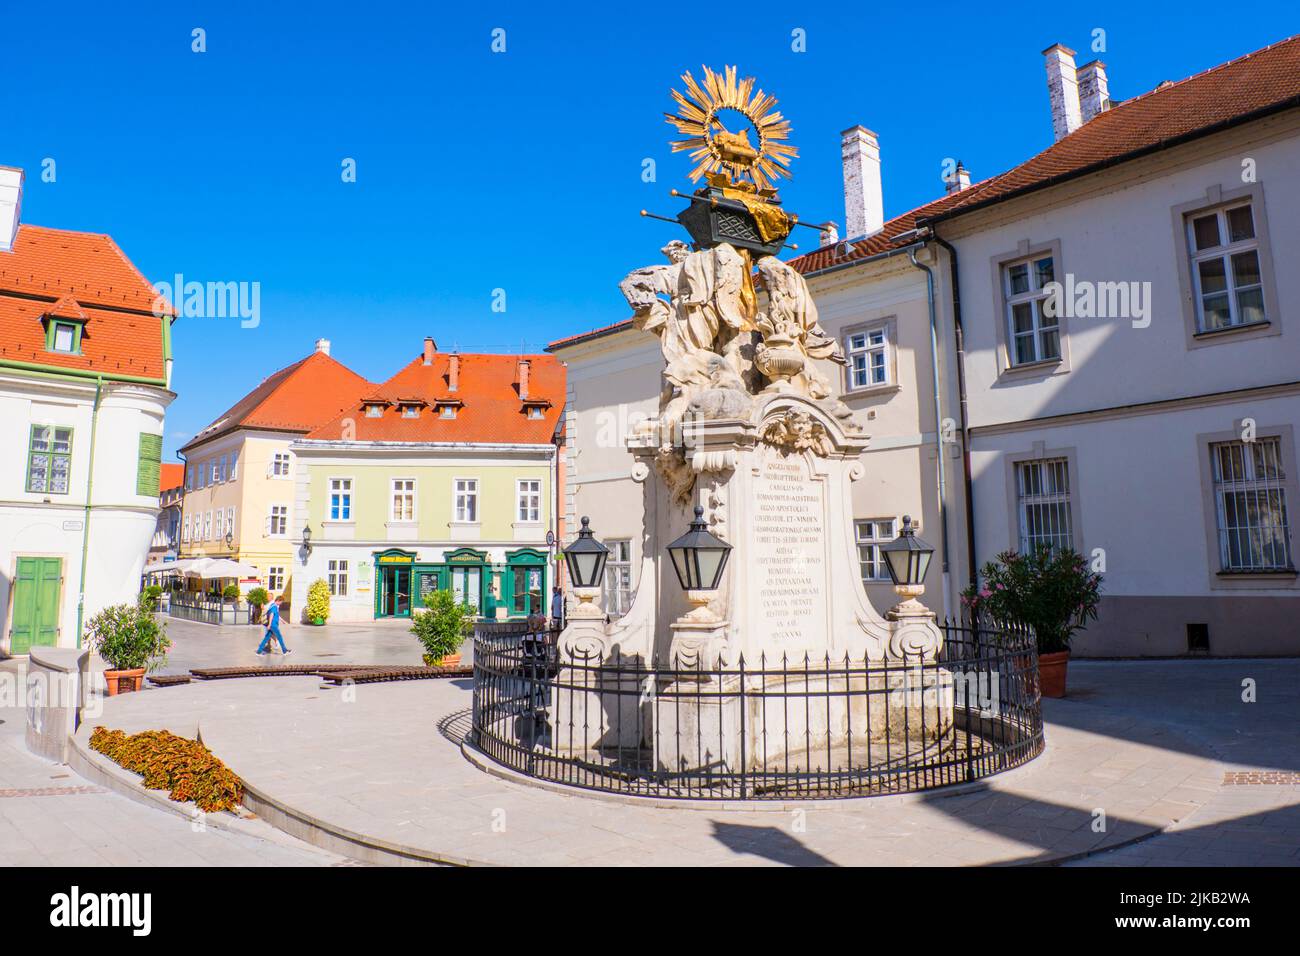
{"x":1261,"y":778}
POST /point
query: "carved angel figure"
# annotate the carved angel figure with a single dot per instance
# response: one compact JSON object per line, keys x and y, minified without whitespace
{"x":791,"y":316}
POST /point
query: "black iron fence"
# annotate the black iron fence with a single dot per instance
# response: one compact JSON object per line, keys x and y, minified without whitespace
{"x":189,"y":607}
{"x":790,"y":729}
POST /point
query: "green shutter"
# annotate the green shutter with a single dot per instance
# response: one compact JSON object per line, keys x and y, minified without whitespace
{"x":149,"y":465}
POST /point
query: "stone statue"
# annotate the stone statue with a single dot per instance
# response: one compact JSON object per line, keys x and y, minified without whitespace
{"x":790,"y":325}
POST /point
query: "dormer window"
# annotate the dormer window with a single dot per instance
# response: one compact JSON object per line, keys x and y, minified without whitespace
{"x":410,"y":411}
{"x":374,"y":410}
{"x":64,"y":337}
{"x":446,"y":411}
{"x":536,"y":411}
{"x":536,"y":407}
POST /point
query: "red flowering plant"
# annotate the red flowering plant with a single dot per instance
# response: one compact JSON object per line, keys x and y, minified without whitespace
{"x":1050,"y":590}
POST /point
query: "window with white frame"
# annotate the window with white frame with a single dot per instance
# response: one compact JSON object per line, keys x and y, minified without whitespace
{"x":49,"y":459}
{"x":618,"y":577}
{"x":189,"y":477}
{"x":466,"y":503}
{"x":207,"y":526}
{"x":446,"y":411}
{"x":275,"y":579}
{"x":374,"y":410}
{"x":201,"y":476}
{"x":871,"y":533}
{"x":868,"y":355}
{"x":214,"y":471}
{"x":1043,"y":504}
{"x":338,"y":577}
{"x":1250,"y":506}
{"x":277,"y":522}
{"x":1225,"y":267}
{"x":225,"y":467}
{"x":410,"y":411}
{"x":340,"y":499}
{"x":185,"y":532}
{"x":230,"y":521}
{"x":280,"y":465}
{"x":403,"y":508}
{"x":1032,"y":336}
{"x":530,"y":500}
{"x":234,"y":465}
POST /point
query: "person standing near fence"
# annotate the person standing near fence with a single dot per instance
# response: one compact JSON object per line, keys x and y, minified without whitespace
{"x":273,"y":628}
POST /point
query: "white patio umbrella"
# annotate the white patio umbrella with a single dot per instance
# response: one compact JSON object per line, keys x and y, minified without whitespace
{"x":215,"y":568}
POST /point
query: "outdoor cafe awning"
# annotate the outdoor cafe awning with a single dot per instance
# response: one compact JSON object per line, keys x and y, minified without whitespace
{"x":211,"y":569}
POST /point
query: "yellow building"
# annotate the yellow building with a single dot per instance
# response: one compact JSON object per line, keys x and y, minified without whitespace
{"x":240,"y":470}
{"x":444,"y":477}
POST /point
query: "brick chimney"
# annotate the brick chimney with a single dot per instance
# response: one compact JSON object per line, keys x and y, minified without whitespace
{"x":11,"y":204}
{"x":1062,"y":90}
{"x":864,"y":207}
{"x":323,"y":345}
{"x":430,"y":347}
{"x":523,"y":379}
{"x":959,"y":180}
{"x":1094,"y":90}
{"x":453,"y":372}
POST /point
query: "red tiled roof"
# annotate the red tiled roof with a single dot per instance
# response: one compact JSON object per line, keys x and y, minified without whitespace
{"x":294,"y":399}
{"x":80,"y":275}
{"x":492,"y":410}
{"x":1264,"y":81}
{"x":171,"y":476}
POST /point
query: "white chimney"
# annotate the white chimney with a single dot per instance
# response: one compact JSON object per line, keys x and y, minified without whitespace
{"x":1094,"y":90}
{"x":830,"y":234}
{"x":11,"y":204}
{"x":959,"y":180}
{"x":430,"y":347}
{"x":323,"y":345}
{"x":1063,"y":90}
{"x":864,"y":207}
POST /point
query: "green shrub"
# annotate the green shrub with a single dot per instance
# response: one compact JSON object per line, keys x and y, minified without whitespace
{"x":318,"y":601}
{"x":185,"y":768}
{"x":151,"y":596}
{"x":1049,"y":590}
{"x":259,"y":598}
{"x":128,"y":636}
{"x":230,"y":592}
{"x":444,"y":624}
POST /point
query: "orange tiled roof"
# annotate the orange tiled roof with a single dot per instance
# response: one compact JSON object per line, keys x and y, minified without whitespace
{"x":1258,"y":83}
{"x":492,"y":410}
{"x":171,"y":476}
{"x":294,"y":399}
{"x":82,"y":275}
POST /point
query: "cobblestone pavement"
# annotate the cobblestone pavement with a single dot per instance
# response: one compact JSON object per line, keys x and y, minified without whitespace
{"x":49,"y":816}
{"x":1147,"y":744}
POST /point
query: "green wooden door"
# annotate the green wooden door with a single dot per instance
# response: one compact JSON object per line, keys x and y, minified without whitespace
{"x":36,"y":604}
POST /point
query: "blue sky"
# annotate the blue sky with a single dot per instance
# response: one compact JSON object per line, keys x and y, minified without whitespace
{"x":479,"y":171}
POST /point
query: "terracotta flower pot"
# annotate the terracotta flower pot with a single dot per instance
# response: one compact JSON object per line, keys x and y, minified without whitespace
{"x":450,"y":660}
{"x":1051,"y":673}
{"x":124,"y":682}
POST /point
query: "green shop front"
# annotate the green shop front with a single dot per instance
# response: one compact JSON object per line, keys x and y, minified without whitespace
{"x":495,"y":589}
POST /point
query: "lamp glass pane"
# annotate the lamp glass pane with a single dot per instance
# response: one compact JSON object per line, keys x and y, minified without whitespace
{"x":680,"y":566}
{"x":923,"y":565}
{"x":710,"y":562}
{"x":896,"y":565}
{"x":584,"y":567}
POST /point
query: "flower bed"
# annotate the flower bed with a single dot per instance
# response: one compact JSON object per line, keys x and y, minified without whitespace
{"x":185,"y":768}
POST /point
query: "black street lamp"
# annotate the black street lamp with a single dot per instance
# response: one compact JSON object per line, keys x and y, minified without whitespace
{"x":699,"y":556}
{"x":586,"y":558}
{"x":230,"y":542}
{"x":907,"y":557}
{"x":306,"y":540}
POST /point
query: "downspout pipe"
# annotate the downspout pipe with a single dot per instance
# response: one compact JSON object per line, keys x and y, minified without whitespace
{"x":959,"y":340}
{"x":941,"y":464}
{"x":85,"y":521}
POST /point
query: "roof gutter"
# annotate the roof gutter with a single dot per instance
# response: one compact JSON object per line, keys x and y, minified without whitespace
{"x":878,"y":257}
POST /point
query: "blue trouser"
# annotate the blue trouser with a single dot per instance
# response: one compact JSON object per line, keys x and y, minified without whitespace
{"x":273,"y":629}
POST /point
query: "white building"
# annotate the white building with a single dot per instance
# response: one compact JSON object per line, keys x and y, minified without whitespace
{"x":85,"y":365}
{"x":1156,"y":439}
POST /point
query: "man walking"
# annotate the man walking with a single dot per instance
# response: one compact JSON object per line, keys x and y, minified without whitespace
{"x":557,"y":608}
{"x":273,"y":628}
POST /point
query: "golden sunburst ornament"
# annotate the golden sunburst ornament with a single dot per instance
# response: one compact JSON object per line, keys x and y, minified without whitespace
{"x":716,"y":149}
